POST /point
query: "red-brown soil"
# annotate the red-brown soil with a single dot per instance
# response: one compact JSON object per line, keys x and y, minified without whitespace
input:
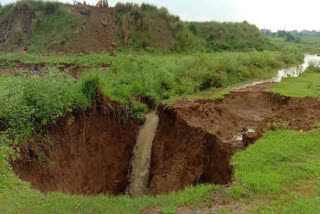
{"x":20,"y":18}
{"x":89,"y":155}
{"x":90,"y":29}
{"x":196,"y":138}
{"x":194,"y":143}
{"x":95,"y":32}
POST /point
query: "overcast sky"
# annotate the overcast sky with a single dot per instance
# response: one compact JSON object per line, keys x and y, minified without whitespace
{"x":272,"y":14}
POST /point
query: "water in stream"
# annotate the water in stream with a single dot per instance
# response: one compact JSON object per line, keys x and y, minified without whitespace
{"x":294,"y":71}
{"x":140,"y":163}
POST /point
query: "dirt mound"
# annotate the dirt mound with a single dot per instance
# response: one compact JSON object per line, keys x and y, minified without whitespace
{"x":88,"y":29}
{"x":194,"y":143}
{"x":91,"y":29}
{"x":95,"y":31}
{"x":89,"y":155}
{"x":16,"y":26}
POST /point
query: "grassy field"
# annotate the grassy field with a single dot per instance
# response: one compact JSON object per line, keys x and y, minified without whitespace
{"x":307,"y":85}
{"x":278,"y":174}
{"x":307,"y":44}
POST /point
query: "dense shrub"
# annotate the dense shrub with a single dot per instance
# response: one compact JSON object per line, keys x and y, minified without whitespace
{"x":29,"y":103}
{"x":140,"y":25}
{"x":230,"y":36}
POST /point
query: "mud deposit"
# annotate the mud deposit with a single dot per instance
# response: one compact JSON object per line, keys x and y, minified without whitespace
{"x":193,"y":143}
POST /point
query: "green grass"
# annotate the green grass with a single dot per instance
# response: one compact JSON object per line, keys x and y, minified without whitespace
{"x":282,"y":159}
{"x":307,"y":44}
{"x":306,"y":85}
{"x":30,"y":103}
{"x":280,"y":172}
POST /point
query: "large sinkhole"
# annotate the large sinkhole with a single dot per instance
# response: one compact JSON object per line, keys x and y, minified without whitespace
{"x":91,"y":152}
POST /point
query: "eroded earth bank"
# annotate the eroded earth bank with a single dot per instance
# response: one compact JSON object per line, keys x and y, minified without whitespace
{"x":90,"y":151}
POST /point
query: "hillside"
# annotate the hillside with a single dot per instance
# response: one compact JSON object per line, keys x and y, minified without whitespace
{"x":35,"y":26}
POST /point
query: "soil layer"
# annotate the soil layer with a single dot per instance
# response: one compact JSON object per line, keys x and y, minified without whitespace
{"x":197,"y":138}
{"x":193,"y":144}
{"x":89,"y":154}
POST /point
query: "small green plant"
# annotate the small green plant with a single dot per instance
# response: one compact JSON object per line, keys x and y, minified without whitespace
{"x":19,"y":39}
{"x":317,"y":125}
{"x":168,"y":210}
{"x":278,"y":125}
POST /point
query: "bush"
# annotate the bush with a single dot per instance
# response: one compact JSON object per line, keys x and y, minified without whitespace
{"x":185,"y":41}
{"x":33,"y":102}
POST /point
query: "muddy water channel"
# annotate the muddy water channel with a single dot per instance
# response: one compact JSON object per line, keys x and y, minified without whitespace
{"x":141,"y":160}
{"x":188,"y":143}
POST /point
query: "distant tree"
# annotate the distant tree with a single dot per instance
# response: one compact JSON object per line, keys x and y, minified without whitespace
{"x":281,"y":33}
{"x":290,"y":37}
{"x":194,"y":29}
{"x":298,"y":40}
{"x":267,"y":32}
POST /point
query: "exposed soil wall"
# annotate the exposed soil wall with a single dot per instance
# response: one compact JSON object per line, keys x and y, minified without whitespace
{"x":197,"y":138}
{"x":184,"y":155}
{"x":194,"y":143}
{"x":94,"y":32}
{"x":19,"y":20}
{"x":89,"y":155}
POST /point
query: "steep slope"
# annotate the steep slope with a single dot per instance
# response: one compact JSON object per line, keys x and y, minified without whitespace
{"x":36,"y":26}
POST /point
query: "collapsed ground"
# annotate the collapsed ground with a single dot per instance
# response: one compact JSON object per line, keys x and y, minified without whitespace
{"x":46,"y":156}
{"x":90,"y":151}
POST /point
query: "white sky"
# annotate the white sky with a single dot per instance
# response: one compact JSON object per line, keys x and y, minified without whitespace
{"x":271,"y":14}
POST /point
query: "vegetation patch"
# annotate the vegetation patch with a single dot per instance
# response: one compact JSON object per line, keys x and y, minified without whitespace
{"x":280,"y":169}
{"x":306,"y":85}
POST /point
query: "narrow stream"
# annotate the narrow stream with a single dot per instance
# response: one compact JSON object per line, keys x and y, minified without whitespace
{"x":294,"y":71}
{"x":140,"y":163}
{"x":285,"y":73}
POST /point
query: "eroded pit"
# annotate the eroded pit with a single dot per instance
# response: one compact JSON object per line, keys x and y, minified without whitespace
{"x":89,"y":154}
{"x":193,"y":143}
